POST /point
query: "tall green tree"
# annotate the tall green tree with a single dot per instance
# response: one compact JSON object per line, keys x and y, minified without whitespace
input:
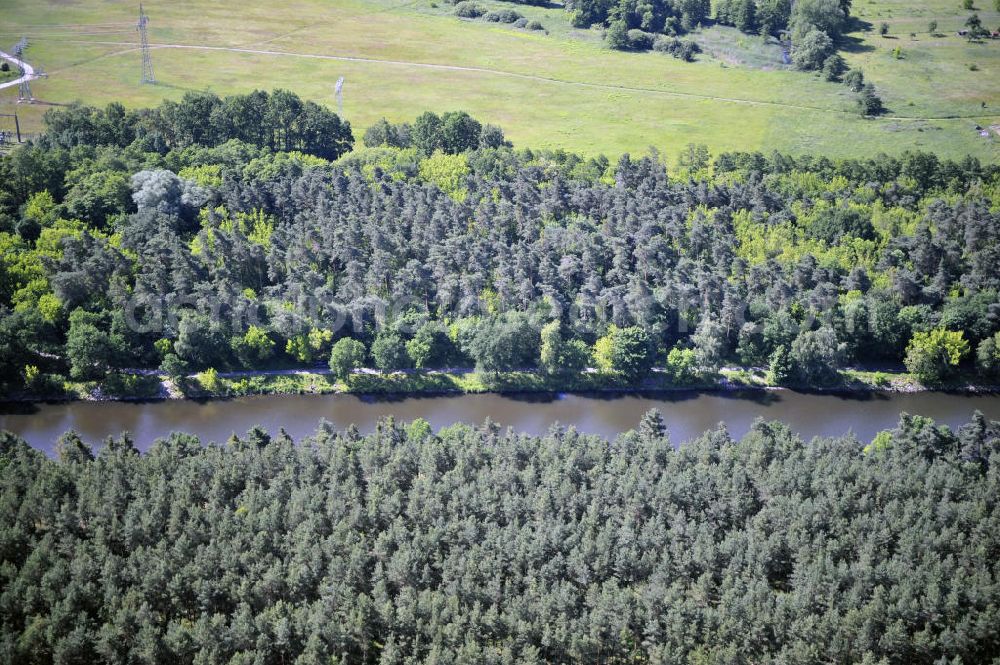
{"x":811,"y":50}
{"x":426,"y":135}
{"x":90,"y":349}
{"x":346,"y":356}
{"x":558,"y":355}
{"x":816,"y":355}
{"x":988,"y":356}
{"x":460,"y":132}
{"x":389,"y":352}
{"x":625,"y":351}
{"x":430,"y":346}
{"x":827,"y":16}
{"x":773,"y":15}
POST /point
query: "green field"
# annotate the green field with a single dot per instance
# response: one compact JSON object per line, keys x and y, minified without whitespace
{"x":561,"y":89}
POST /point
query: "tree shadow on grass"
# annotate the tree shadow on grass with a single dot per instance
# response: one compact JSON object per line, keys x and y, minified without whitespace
{"x":174,"y":86}
{"x":855,"y":24}
{"x":852,"y":44}
{"x":550,"y":5}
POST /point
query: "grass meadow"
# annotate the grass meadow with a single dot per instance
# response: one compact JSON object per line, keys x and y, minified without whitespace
{"x":556,"y":89}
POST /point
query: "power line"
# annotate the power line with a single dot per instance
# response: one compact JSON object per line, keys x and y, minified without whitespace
{"x":17,"y":125}
{"x":339,"y":88}
{"x":24,"y":86}
{"x":70,"y":25}
{"x":147,"y":60}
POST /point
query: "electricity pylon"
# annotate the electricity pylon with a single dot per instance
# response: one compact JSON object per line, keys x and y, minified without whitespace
{"x":147,"y":61}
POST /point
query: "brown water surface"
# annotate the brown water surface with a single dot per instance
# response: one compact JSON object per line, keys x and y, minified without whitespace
{"x":686,"y":414}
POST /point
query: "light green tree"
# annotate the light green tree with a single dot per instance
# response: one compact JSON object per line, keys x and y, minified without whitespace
{"x":551,"y":347}
{"x":934,"y":356}
{"x":254,"y":347}
{"x":209,"y":380}
{"x":447,"y":172}
{"x":346,"y":356}
{"x":624,"y":351}
{"x":682,"y":365}
{"x":313,"y":344}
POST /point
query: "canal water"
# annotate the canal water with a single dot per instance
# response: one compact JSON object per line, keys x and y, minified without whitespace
{"x":687,"y":414}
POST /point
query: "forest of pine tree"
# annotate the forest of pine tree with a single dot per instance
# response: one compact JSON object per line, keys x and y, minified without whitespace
{"x":441,"y":245}
{"x":475,"y":545}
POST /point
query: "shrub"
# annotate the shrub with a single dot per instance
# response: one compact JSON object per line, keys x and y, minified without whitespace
{"x":855,"y":80}
{"x":688,"y":51}
{"x":869,"y":103}
{"x":535,"y":25}
{"x":881,"y":442}
{"x":50,"y":385}
{"x":448,"y":172}
{"x":468,"y":9}
{"x":833,"y":67}
{"x":521,"y":22}
{"x":664,"y":44}
{"x":617,"y":36}
{"x":492,"y":137}
{"x":883,"y":29}
{"x":130,"y":385}
{"x":502,"y":16}
{"x":40,"y":383}
{"x":173,"y":366}
{"x":383,"y":132}
{"x":31,"y":375}
{"x":685,"y":50}
{"x":209,"y":379}
{"x":932,"y":27}
{"x":639,"y":40}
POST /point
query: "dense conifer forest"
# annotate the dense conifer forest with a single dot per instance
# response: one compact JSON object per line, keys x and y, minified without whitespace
{"x":216,"y":233}
{"x":475,"y":545}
